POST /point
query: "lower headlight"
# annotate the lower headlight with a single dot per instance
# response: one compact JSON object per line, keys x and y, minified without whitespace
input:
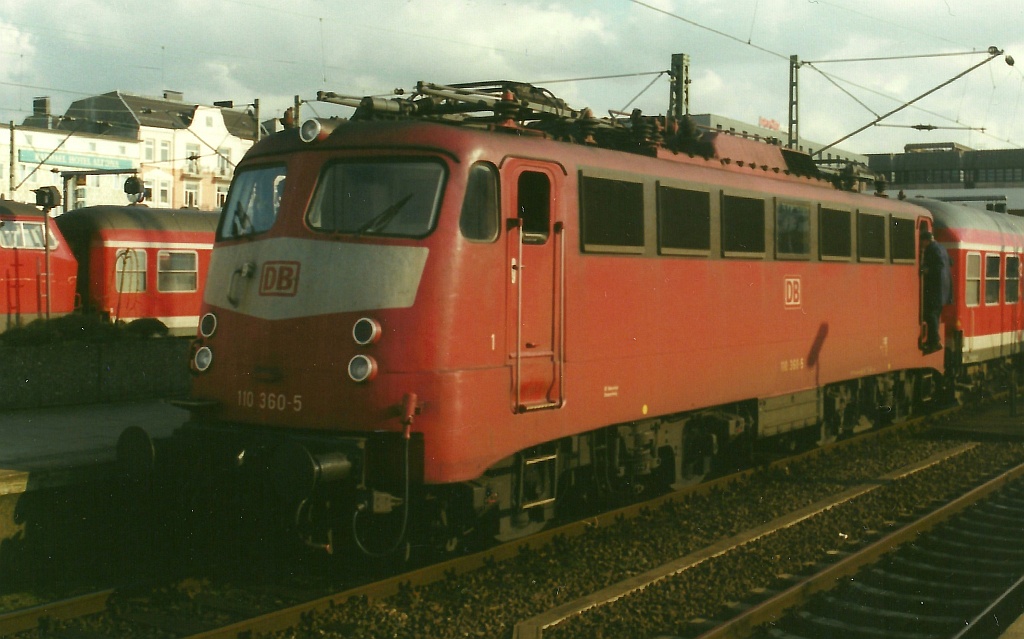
{"x":202,"y":359}
{"x":362,"y":368}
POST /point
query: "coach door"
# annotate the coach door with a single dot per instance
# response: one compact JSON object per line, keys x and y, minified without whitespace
{"x":536,"y":283}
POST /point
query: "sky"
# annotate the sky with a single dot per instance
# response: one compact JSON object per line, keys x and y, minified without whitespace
{"x":242,"y":50}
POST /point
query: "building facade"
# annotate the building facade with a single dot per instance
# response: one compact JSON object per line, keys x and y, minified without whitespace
{"x":991,"y":179}
{"x":184,"y":154}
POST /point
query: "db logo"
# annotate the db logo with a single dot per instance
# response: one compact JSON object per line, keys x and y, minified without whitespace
{"x":280,"y":279}
{"x":792,"y":295}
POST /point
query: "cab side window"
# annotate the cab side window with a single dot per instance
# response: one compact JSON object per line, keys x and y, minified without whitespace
{"x":480,"y":209}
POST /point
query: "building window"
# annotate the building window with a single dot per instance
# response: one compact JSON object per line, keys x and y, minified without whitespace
{"x":1012,"y":294}
{"x":165,"y":193}
{"x":130,"y":271}
{"x":992,"y":279}
{"x":192,"y":159}
{"x":224,"y":162}
{"x":165,"y":151}
{"x":148,"y":153}
{"x":612,"y":213}
{"x":222,"y":195}
{"x":177,"y":271}
{"x":972,"y":283}
{"x":191,"y":196}
{"x":742,"y":225}
{"x":684,"y":221}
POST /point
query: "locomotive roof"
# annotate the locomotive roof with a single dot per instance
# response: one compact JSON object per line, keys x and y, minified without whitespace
{"x":527,"y":111}
{"x":953,"y":217}
{"x":99,"y":219}
{"x":19,"y":209}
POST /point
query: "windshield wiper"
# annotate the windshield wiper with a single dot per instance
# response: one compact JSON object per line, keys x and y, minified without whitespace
{"x":381,"y":220}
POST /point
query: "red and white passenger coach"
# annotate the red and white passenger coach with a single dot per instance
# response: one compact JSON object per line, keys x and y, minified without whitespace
{"x":138,"y":262}
{"x":469,"y":307}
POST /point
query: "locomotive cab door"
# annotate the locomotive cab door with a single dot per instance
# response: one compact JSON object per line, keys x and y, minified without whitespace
{"x":536,"y":248}
{"x":923,"y":224}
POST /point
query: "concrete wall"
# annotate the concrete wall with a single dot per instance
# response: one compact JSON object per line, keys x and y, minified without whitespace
{"x":84,"y":372}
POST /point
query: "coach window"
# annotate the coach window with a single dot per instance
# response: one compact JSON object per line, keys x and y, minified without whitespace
{"x":793,"y":230}
{"x":612,"y":215}
{"x":742,"y":226}
{"x":972,"y":281}
{"x":870,"y":237}
{"x":480,"y":209}
{"x":901,"y":241}
{"x":684,"y":221}
{"x":992,"y":278}
{"x":835,"y":239}
{"x":1012,"y":294}
{"x":130,"y":271}
{"x":177,"y":271}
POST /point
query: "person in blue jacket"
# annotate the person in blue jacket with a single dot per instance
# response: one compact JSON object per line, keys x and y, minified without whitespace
{"x":938,"y":290}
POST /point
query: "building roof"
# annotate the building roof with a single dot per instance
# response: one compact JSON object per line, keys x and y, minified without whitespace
{"x":122,"y":114}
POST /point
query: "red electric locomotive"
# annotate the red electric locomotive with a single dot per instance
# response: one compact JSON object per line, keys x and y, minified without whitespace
{"x":136,"y":262}
{"x":465,"y":308}
{"x":37,"y":278}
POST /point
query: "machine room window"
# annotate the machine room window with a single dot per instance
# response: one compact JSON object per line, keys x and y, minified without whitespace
{"x":395,"y":198}
{"x":901,"y":238}
{"x":613,"y":214}
{"x":870,"y":237}
{"x":130,"y":271}
{"x":992,"y":279}
{"x":793,"y":230}
{"x":684,"y":221}
{"x":835,"y":236}
{"x":742,"y":225}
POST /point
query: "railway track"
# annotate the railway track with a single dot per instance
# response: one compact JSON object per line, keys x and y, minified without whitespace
{"x":959,"y":579}
{"x":191,"y":610}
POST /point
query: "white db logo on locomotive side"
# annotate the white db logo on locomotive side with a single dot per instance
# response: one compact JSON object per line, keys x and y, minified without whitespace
{"x":792,"y":295}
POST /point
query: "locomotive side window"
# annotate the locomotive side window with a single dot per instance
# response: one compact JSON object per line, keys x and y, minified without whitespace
{"x":972,"y":282}
{"x":684,"y":221}
{"x":481,"y":208}
{"x":130,"y":271}
{"x":378,"y":198}
{"x":612,"y":215}
{"x":836,"y":238}
{"x":992,"y":279}
{"x":793,"y":230}
{"x":253,"y":201}
{"x":22,"y":235}
{"x":901,"y":239}
{"x":1012,"y":295}
{"x":742,"y":226}
{"x":870,"y":237}
{"x":177,"y":271}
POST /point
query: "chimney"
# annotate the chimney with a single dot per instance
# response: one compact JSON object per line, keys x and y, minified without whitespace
{"x":41,"y":106}
{"x":175,"y":96}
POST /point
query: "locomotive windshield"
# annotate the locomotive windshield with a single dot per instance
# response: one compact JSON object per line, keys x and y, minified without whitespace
{"x":378,"y":198}
{"x":253,"y":202}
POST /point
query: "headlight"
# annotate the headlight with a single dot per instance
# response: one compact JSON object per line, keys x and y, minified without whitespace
{"x":362,"y":368}
{"x":202,"y":359}
{"x":208,"y":325}
{"x":366,"y":331}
